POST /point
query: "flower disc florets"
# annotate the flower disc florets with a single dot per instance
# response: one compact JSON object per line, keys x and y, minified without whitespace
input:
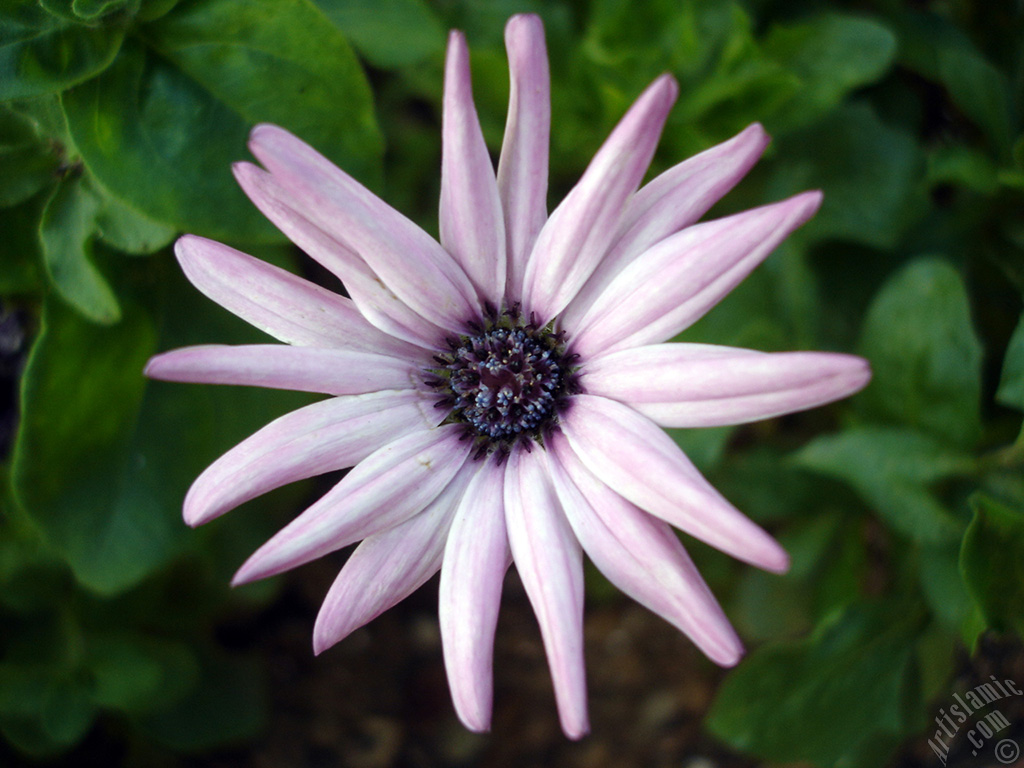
{"x":507,"y":383}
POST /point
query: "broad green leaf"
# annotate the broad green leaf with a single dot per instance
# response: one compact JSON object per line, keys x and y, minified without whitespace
{"x":992,"y":562}
{"x":963,"y":166}
{"x":126,"y":229}
{"x":68,"y":711}
{"x":1011,"y":385}
{"x":26,"y":164}
{"x":66,"y":233}
{"x":90,"y":10}
{"x":136,"y":674}
{"x":19,"y":249}
{"x":943,"y":586}
{"x":832,"y":54}
{"x":925,"y":355}
{"x":40,"y":53}
{"x":389,"y":33}
{"x":892,"y":470}
{"x":825,"y":697}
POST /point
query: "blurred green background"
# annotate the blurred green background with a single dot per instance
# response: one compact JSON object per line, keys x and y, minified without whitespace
{"x":903,"y":508}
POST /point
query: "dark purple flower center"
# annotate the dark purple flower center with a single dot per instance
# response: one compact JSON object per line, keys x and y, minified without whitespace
{"x":507,"y":383}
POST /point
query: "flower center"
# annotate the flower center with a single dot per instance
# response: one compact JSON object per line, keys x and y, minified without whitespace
{"x":507,"y":383}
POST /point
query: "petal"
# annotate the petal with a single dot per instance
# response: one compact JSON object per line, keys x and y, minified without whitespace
{"x":472,"y":224}
{"x":323,"y":437}
{"x":672,"y":201}
{"x":641,"y":463}
{"x":576,"y":237}
{"x":670,"y":286}
{"x":550,"y":564}
{"x":476,"y":558}
{"x":642,"y":556}
{"x":376,"y":303}
{"x":277,"y":366}
{"x":523,"y":167}
{"x":675,"y":387}
{"x":277,"y":302}
{"x":409,"y":262}
{"x":388,"y":567}
{"x":386,"y":489}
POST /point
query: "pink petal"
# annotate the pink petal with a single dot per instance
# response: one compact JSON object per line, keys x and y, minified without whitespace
{"x":472,"y":224}
{"x":375,"y":302}
{"x":388,"y":567}
{"x":475,"y":561}
{"x":672,"y":285}
{"x":641,"y":463}
{"x":323,"y":437}
{"x":550,"y":564}
{"x":523,"y":167}
{"x":576,"y":237}
{"x":278,"y":366}
{"x":642,"y":556}
{"x":386,"y":489}
{"x":408,"y":261}
{"x":678,"y":385}
{"x":671,"y":202}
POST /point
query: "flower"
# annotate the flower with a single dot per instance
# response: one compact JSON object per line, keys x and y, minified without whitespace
{"x":500,"y":395}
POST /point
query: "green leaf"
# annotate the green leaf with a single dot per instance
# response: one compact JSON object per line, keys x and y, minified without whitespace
{"x":1011,"y":385}
{"x":823,"y":698}
{"x":925,"y":355}
{"x":992,"y":562}
{"x":22,"y":271}
{"x":68,"y":711}
{"x":66,"y":234}
{"x":126,"y":229}
{"x":943,"y":586}
{"x":389,"y":33}
{"x":892,"y":470}
{"x":136,"y":674}
{"x":26,"y":164}
{"x":43,"y":54}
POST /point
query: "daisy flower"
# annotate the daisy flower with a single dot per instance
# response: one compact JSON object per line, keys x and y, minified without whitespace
{"x":500,"y":395}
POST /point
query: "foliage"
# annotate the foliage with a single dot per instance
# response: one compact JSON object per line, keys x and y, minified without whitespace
{"x":119,"y":120}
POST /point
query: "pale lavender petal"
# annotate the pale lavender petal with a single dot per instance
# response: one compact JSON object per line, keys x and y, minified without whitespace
{"x":375,"y":302}
{"x":550,"y":564}
{"x":641,"y":463}
{"x":277,"y":302}
{"x":523,"y":167}
{"x":387,"y":567}
{"x":278,"y":366}
{"x":471,"y":220}
{"x":670,"y":286}
{"x":323,"y":437}
{"x":672,"y":201}
{"x":408,"y":261}
{"x":642,"y":556}
{"x":576,"y":237}
{"x":476,"y":558}
{"x":679,"y":385}
{"x":383,"y":490}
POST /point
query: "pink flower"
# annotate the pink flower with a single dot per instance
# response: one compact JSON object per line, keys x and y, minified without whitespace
{"x":500,"y":395}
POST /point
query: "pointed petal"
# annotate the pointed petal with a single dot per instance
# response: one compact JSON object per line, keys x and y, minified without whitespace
{"x":550,"y":564}
{"x":278,"y":366}
{"x":641,"y":463}
{"x":678,"y":385}
{"x":523,"y":167}
{"x":409,"y":262}
{"x":476,"y":558}
{"x":387,"y":488}
{"x":322,"y":437}
{"x":669,"y":203}
{"x":577,"y":236}
{"x":277,"y":302}
{"x":388,"y":567}
{"x":376,"y":303}
{"x":472,"y":224}
{"x":642,"y":556}
{"x":670,"y":286}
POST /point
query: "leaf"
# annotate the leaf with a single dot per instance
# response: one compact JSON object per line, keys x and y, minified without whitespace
{"x":1011,"y":385}
{"x":825,"y":697}
{"x":26,"y":164}
{"x":992,"y":562}
{"x":389,"y":33}
{"x":68,"y":711}
{"x":892,"y":469}
{"x":43,"y":54}
{"x":136,"y":674}
{"x":22,"y":271}
{"x":925,"y":355}
{"x":161,"y":127}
